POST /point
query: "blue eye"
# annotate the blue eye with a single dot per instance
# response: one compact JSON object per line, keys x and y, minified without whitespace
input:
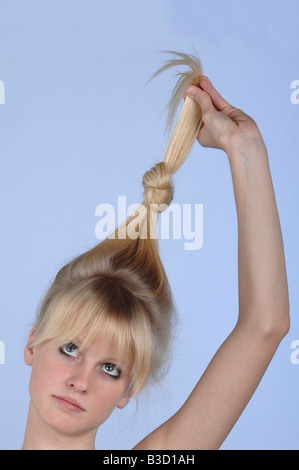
{"x":111,"y":370}
{"x":70,"y":349}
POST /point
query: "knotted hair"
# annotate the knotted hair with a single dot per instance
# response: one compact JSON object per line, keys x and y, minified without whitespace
{"x":120,"y":287}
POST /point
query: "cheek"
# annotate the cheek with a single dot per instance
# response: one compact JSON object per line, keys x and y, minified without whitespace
{"x":46,"y":375}
{"x":106,"y":399}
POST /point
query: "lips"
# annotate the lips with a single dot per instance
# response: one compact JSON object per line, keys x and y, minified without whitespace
{"x":68,"y":403}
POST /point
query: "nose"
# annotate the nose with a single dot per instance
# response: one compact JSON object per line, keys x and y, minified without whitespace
{"x":80,"y":379}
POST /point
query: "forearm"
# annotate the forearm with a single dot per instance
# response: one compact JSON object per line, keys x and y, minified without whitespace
{"x":263,"y":290}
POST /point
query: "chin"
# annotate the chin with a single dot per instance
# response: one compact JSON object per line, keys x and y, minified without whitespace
{"x":62,"y":421}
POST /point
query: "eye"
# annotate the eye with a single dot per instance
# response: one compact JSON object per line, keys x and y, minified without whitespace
{"x":111,"y":370}
{"x":69,"y":349}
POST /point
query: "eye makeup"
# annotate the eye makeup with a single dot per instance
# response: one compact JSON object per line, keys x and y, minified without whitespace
{"x":71,"y":350}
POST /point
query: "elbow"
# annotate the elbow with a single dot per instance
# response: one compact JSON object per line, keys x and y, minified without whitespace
{"x":277,"y":326}
{"x":287,"y":322}
{"x":286,"y":325}
{"x":269,"y":324}
{"x":280,"y":331}
{"x":283,"y":320}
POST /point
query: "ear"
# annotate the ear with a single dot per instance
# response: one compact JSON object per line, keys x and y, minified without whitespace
{"x":29,"y":351}
{"x":126,"y":398}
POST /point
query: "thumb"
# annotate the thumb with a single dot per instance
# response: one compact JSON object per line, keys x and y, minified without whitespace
{"x":203,"y":99}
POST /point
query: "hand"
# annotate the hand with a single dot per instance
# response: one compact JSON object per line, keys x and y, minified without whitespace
{"x":224,"y":127}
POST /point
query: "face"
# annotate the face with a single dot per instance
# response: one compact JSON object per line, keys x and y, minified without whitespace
{"x":75,"y":392}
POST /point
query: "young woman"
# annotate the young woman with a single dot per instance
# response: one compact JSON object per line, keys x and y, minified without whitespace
{"x":104,"y":327}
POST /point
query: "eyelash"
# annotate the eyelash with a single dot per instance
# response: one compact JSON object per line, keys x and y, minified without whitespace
{"x":62,"y":351}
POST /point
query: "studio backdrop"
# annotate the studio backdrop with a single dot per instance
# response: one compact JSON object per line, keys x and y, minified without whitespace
{"x":71,"y":171}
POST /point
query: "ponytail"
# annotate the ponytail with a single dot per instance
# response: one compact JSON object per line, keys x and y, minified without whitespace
{"x":120,"y":286}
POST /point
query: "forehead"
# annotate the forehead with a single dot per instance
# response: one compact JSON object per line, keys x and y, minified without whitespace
{"x":100,"y":345}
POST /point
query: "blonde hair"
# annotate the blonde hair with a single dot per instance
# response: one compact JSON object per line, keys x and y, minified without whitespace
{"x":120,"y":287}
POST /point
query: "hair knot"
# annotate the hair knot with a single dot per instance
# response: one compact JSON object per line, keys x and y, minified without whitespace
{"x":158,"y":187}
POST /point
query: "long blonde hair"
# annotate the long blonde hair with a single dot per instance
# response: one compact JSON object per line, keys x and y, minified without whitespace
{"x":120,"y":287}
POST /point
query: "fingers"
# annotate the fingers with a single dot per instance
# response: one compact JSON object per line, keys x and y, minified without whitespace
{"x":219,"y":103}
{"x":203,"y":99}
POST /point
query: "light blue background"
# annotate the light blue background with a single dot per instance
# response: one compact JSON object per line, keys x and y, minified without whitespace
{"x":79,"y":128}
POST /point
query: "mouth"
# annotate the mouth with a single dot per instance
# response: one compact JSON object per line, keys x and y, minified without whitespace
{"x":69,"y":404}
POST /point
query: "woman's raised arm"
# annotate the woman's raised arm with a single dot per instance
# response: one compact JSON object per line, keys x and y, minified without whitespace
{"x":222,"y":393}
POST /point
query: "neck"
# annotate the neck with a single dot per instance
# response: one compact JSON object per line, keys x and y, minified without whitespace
{"x":40,"y":436}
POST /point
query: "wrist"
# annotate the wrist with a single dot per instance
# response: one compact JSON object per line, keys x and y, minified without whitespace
{"x":247,"y":153}
{"x":249,"y":145}
{"x":250,"y":169}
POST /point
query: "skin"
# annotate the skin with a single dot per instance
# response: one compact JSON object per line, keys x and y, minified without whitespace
{"x":225,"y":388}
{"x":222,"y":393}
{"x":83,"y":377}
